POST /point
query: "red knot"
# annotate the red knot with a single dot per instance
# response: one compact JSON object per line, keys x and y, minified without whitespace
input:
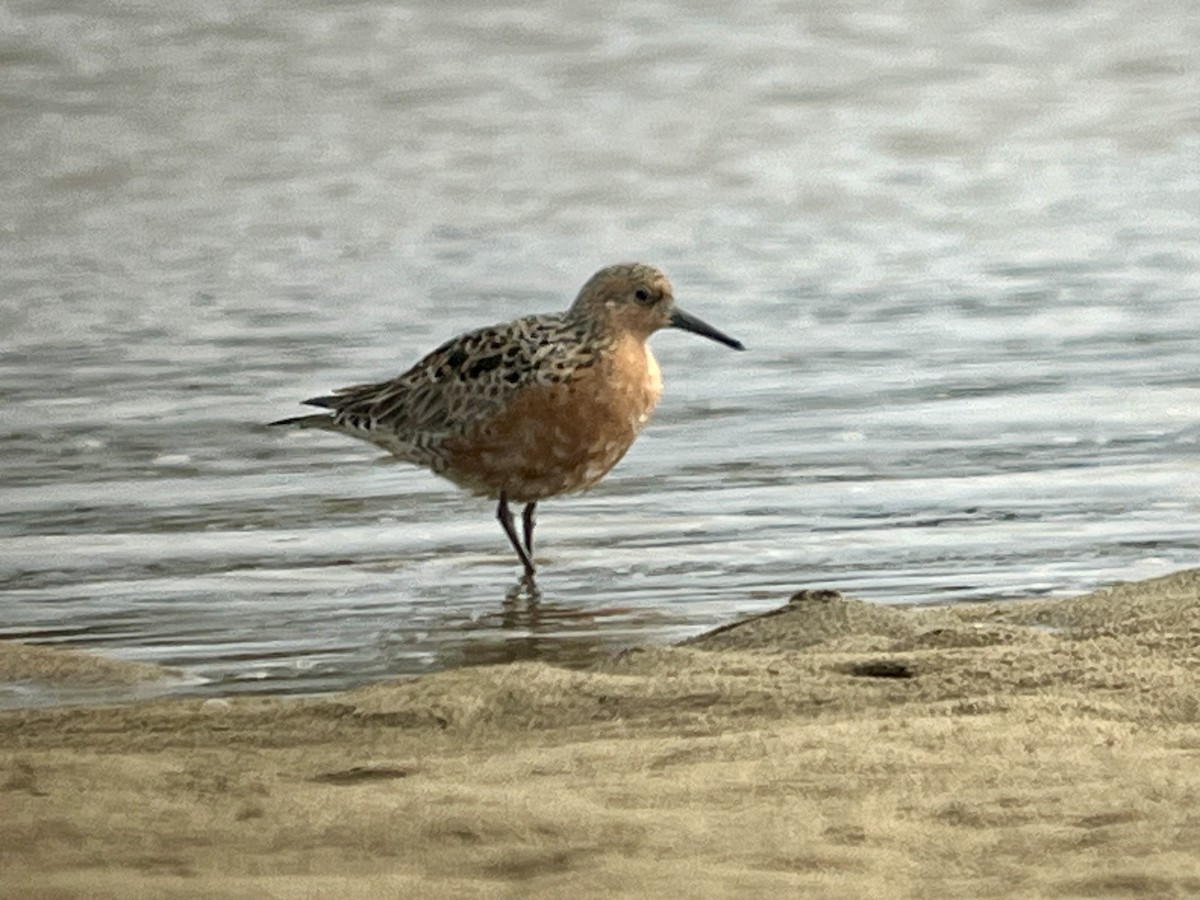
{"x":533,"y":408}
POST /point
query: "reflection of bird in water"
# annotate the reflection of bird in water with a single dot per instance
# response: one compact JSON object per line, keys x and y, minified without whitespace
{"x":537,"y":407}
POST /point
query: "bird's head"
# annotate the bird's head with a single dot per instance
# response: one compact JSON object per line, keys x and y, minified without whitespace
{"x":636,"y":299}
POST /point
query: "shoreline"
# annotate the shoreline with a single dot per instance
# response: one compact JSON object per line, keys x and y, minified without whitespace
{"x":828,"y":748}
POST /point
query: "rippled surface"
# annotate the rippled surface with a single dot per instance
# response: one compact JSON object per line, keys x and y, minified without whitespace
{"x":961,"y":244}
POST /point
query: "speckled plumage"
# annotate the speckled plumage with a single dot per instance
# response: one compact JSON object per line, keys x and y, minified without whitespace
{"x":458,"y":389}
{"x":539,"y":406}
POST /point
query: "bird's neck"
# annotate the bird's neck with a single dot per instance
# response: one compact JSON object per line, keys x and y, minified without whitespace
{"x":632,"y":369}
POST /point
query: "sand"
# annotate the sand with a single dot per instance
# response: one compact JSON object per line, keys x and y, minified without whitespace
{"x":829,"y":749}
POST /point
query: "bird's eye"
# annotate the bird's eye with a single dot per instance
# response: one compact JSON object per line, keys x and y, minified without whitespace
{"x":642,"y":295}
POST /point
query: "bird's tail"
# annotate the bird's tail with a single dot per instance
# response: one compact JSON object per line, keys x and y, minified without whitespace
{"x":317,"y":420}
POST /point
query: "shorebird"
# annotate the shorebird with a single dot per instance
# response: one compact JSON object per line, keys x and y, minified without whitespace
{"x":529,"y":409}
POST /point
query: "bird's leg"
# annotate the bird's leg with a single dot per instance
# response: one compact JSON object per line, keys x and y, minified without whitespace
{"x":528,"y":520}
{"x":504,"y":514}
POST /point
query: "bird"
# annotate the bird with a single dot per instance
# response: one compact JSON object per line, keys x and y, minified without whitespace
{"x":534,"y":408}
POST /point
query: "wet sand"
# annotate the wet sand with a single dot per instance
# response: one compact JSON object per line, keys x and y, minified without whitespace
{"x":829,"y":749}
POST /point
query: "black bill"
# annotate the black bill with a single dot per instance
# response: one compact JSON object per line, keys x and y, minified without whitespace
{"x":680,"y":319}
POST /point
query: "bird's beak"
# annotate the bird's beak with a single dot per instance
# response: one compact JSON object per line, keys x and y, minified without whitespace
{"x":680,"y":319}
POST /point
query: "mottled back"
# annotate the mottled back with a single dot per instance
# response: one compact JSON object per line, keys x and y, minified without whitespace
{"x":464,"y":382}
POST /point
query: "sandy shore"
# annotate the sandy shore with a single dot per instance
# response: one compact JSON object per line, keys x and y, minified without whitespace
{"x":831,"y":749}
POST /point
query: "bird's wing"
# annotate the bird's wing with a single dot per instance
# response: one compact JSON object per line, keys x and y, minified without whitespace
{"x":464,"y":382}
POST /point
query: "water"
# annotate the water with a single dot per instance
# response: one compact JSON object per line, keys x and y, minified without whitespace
{"x":960,"y":241}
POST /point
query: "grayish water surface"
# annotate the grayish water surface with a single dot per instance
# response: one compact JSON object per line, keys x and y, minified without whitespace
{"x":960,"y":240}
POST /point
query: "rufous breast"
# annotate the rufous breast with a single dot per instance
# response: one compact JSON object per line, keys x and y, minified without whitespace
{"x":556,"y":438}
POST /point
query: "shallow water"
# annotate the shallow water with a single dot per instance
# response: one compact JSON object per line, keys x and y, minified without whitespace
{"x":960,"y":243}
